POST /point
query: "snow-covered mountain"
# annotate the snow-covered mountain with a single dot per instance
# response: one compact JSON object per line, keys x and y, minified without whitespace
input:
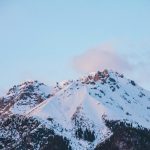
{"x":80,"y":114}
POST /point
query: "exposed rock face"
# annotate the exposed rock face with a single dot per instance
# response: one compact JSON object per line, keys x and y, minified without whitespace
{"x":98,"y":76}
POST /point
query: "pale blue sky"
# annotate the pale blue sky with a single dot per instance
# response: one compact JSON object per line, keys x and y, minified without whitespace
{"x":39,"y":38}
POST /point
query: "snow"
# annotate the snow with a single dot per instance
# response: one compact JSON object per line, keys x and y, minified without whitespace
{"x":116,"y":99}
{"x":61,"y":107}
{"x":21,"y":108}
{"x":122,"y":104}
{"x":64,"y":105}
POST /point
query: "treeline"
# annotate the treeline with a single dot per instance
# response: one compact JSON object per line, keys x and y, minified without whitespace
{"x":126,"y":137}
{"x":85,"y":134}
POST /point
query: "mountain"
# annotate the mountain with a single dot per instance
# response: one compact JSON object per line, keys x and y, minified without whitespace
{"x":101,"y":111}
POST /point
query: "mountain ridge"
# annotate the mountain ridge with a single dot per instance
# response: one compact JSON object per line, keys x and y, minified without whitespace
{"x":79,"y":109}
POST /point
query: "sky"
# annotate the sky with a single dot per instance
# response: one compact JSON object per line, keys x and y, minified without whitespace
{"x":56,"y":40}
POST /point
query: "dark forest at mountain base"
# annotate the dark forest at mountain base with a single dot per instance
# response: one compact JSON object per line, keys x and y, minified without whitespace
{"x":30,"y":134}
{"x":126,"y":137}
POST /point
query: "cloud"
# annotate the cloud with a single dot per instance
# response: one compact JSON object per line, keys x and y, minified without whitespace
{"x":134,"y":63}
{"x":100,"y":58}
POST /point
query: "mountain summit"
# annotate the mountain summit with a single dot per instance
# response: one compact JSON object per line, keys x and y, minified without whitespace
{"x":103,"y":110}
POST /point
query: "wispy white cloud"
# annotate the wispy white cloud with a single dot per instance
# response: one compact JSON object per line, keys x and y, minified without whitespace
{"x":100,"y":58}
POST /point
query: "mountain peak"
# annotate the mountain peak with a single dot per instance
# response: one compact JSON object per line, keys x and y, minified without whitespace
{"x":78,"y":109}
{"x":100,"y":76}
{"x":24,"y":96}
{"x":27,"y":85}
